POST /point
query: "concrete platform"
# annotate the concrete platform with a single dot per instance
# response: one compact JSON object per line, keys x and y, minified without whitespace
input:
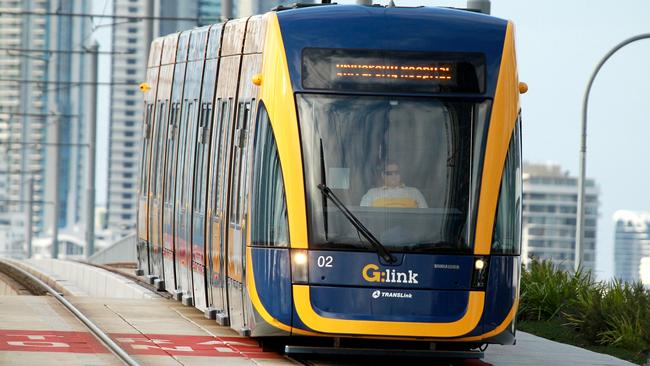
{"x":532,"y":350}
{"x":8,"y":287}
{"x":77,"y":279}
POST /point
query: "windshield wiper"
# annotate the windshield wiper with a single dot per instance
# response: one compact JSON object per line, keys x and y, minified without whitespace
{"x":363,"y":230}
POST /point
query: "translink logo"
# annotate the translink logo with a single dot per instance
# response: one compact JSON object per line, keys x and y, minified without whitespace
{"x":371,"y":273}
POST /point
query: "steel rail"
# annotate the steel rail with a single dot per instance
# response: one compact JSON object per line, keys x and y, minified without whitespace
{"x":114,"y":347}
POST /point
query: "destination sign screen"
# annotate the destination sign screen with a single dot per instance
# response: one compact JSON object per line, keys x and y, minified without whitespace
{"x":388,"y":71}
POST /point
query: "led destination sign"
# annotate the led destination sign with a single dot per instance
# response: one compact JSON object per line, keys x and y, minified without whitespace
{"x":390,"y":71}
{"x":440,"y":73}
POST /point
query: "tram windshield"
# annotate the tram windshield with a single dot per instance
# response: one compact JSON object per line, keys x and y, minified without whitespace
{"x":406,"y":168}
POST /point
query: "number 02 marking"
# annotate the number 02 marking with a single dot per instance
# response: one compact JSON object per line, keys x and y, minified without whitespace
{"x":323,"y":261}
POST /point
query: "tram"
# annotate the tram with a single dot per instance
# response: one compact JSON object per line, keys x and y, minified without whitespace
{"x":341,"y":171}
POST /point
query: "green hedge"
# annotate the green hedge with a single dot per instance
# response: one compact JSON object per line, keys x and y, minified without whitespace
{"x":604,"y":313}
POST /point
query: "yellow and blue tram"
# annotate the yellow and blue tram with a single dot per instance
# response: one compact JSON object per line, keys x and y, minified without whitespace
{"x":340,"y":171}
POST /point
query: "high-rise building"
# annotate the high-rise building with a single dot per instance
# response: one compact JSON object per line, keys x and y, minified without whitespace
{"x":549,"y":216}
{"x":632,"y":246}
{"x":43,"y":113}
{"x":252,"y":7}
{"x":209,"y":12}
{"x":128,"y":72}
{"x":20,"y":99}
{"x":126,"y":101}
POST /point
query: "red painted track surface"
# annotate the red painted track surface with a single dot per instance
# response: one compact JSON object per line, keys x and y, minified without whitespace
{"x":135,"y":344}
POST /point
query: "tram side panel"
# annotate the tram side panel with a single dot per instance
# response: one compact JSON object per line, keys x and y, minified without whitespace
{"x":145,"y":156}
{"x":218,"y":186}
{"x":202,"y":150}
{"x":233,"y":42}
{"x":191,"y":100}
{"x":210,"y":175}
{"x":155,"y":136}
{"x":502,"y":295}
{"x":503,"y":155}
{"x":268,"y":281}
{"x":157,"y":141}
{"x":172,"y":179}
{"x":249,"y":90}
{"x":165,"y":81}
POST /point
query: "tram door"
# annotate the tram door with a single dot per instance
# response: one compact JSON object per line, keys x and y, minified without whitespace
{"x":237,"y":224}
{"x":173,"y":181}
{"x":155,"y":206}
{"x":217,"y":293}
{"x":182,"y":197}
{"x":220,"y":185}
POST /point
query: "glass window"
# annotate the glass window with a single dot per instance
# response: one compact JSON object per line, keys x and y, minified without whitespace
{"x":145,"y":149}
{"x":189,"y":157}
{"x":218,"y":146}
{"x":201,"y":149}
{"x":157,"y":147}
{"x":402,"y":166}
{"x":507,"y":227}
{"x":269,"y":207}
{"x":180,"y":167}
{"x":239,"y":142}
{"x":172,"y":139}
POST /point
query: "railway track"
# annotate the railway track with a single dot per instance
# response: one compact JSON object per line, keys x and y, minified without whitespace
{"x":34,"y":286}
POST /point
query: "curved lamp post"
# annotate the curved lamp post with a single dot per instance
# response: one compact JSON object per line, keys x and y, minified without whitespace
{"x":580,"y":235}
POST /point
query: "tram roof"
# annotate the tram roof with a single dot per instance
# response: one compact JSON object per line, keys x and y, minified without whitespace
{"x":423,"y":29}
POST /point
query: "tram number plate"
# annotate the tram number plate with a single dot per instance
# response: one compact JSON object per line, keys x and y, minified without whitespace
{"x":324,"y":261}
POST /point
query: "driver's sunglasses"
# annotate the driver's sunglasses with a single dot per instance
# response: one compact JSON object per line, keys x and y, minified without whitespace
{"x":391,"y":172}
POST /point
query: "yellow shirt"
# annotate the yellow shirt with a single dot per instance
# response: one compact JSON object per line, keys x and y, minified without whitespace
{"x":401,"y":196}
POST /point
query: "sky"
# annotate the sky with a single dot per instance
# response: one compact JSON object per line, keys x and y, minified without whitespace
{"x":559,"y":43}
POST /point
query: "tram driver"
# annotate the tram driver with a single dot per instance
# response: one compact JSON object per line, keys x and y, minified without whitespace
{"x":394,"y":193}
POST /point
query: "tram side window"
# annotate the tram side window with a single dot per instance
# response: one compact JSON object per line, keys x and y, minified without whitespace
{"x":180,"y":165}
{"x":204,"y":128}
{"x":144,"y":179}
{"x":223,"y":115}
{"x":237,"y":196}
{"x":182,"y":194}
{"x":269,"y":207}
{"x":172,"y":129}
{"x":157,"y":147}
{"x":507,"y":228}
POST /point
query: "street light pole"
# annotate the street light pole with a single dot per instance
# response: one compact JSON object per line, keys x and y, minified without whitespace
{"x":30,"y":213}
{"x":55,"y":184}
{"x":92,"y":131}
{"x":580,"y":232}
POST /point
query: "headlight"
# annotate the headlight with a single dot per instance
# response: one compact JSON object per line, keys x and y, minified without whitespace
{"x":480,"y":274}
{"x":299,"y":266}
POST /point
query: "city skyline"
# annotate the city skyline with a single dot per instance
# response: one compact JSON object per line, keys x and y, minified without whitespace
{"x":549,"y":216}
{"x":632,"y":244}
{"x":44,"y":125}
{"x":577,"y":33}
{"x":541,"y":35}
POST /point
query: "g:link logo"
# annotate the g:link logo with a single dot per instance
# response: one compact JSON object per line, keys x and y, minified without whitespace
{"x":371,"y":273}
